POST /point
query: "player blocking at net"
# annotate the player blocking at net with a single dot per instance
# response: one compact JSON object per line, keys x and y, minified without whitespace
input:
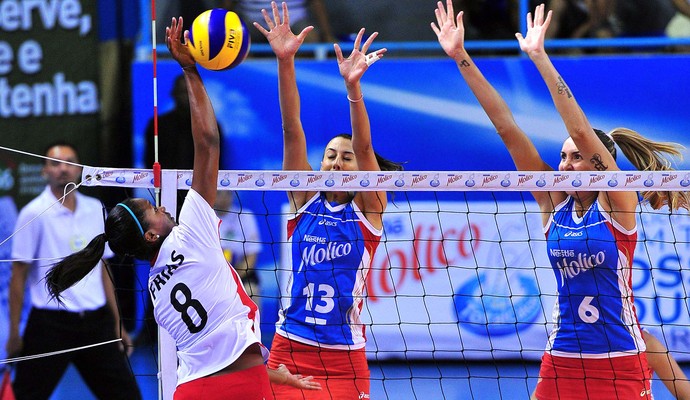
{"x":197,"y":296}
{"x":333,"y":235}
{"x":596,"y":349}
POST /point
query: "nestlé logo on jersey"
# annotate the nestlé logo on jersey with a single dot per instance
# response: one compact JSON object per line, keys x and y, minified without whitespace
{"x":581,"y":263}
{"x":316,"y":254}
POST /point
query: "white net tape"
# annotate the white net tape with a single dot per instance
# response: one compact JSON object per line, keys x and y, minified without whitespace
{"x":407,"y":180}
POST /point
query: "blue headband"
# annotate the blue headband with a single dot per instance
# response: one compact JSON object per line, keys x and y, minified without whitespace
{"x":133,"y":216}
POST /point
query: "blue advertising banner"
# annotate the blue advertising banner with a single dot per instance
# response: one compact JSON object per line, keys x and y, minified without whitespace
{"x":422,"y":113}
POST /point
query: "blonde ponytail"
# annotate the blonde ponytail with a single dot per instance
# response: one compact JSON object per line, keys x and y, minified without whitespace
{"x":648,"y":155}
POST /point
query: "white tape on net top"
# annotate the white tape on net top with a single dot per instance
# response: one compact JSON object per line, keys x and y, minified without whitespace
{"x":407,"y":180}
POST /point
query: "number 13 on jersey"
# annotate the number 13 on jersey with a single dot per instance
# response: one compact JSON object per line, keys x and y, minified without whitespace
{"x":319,"y":301}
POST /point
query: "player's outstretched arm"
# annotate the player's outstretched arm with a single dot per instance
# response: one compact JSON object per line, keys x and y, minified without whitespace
{"x":450,"y":31}
{"x":204,"y":124}
{"x":352,"y":68}
{"x":285,"y":45}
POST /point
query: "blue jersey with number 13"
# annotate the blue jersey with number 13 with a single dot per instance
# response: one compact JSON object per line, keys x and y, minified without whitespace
{"x":331,"y":248}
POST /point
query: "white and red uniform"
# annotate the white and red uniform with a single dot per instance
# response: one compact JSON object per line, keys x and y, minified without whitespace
{"x":198,"y":297}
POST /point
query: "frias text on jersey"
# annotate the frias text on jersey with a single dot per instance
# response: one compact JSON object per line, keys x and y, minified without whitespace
{"x":164,"y":276}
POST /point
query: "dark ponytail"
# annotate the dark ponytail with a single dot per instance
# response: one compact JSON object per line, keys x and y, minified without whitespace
{"x":75,"y":267}
{"x":124,"y":232}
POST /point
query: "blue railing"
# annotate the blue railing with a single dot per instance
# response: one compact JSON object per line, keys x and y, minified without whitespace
{"x":431,"y":48}
{"x":325,"y":50}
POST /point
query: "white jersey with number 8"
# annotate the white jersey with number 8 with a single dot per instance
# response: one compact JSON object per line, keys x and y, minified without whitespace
{"x":198,"y":297}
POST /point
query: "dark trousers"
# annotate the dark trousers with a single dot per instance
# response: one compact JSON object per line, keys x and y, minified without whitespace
{"x":105,"y":368}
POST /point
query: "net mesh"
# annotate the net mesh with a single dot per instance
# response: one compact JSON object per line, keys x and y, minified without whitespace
{"x":460,"y":292}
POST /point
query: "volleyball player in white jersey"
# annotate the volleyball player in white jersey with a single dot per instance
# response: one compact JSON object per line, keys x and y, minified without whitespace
{"x":596,"y":349}
{"x":333,"y":235}
{"x":197,"y":296}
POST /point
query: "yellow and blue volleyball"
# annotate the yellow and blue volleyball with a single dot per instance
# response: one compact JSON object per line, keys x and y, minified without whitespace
{"x":218,"y":39}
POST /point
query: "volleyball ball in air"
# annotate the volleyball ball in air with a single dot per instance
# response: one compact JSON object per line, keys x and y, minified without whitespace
{"x":218,"y":39}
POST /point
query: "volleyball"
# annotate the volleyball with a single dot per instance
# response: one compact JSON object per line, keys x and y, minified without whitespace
{"x":218,"y":39}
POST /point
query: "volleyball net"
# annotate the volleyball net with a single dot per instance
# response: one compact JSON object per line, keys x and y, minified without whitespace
{"x":462,"y":273}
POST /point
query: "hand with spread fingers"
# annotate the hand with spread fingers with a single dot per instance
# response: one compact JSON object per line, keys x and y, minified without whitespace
{"x":352,"y":68}
{"x":449,"y":30}
{"x":283,"y":42}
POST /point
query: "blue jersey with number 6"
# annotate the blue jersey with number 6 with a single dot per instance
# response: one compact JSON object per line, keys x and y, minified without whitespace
{"x":592,"y":255}
{"x":331,"y":248}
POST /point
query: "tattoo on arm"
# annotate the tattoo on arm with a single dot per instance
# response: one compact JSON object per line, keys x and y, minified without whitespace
{"x":464,"y":63}
{"x":562,"y":88}
{"x":598,"y":163}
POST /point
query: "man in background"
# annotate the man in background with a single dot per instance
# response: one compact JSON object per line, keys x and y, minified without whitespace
{"x":49,"y":228}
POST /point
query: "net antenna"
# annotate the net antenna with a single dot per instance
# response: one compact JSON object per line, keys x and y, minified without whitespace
{"x":156,"y":165}
{"x":164,"y":387}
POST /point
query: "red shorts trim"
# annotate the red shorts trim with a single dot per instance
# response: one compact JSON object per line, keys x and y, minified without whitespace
{"x":251,"y":384}
{"x":343,"y":374}
{"x":564,"y":378}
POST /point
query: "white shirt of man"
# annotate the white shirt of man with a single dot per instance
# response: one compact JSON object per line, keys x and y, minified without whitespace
{"x":46,"y":232}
